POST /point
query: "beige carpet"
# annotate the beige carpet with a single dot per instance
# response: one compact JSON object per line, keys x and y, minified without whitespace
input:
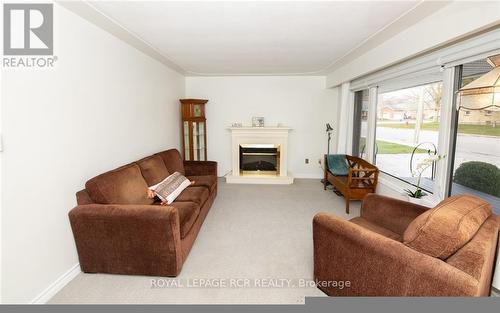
{"x":261,"y":233}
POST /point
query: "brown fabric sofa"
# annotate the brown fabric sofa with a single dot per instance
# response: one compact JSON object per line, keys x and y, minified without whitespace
{"x":118,"y":230}
{"x":396,"y":248}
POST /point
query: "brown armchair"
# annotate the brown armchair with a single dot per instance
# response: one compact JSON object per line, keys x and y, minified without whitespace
{"x":377,"y":253}
{"x":361,"y":180}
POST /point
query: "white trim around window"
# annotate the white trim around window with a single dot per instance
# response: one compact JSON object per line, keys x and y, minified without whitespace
{"x":435,"y":66}
{"x":445,"y":133}
{"x":465,"y":51}
{"x":345,"y":122}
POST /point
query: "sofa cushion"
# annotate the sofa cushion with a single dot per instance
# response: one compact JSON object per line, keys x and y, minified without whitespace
{"x":173,"y":161}
{"x":208,"y":181}
{"x":124,"y":185}
{"x":194,"y":194}
{"x":376,"y":228}
{"x":153,"y":169}
{"x":188,"y":213}
{"x":441,"y":231}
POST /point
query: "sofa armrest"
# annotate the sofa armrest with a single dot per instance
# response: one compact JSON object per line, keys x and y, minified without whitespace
{"x":83,"y":197}
{"x":127,"y":239}
{"x":390,"y":213}
{"x":198,"y":168}
{"x":378,"y":266}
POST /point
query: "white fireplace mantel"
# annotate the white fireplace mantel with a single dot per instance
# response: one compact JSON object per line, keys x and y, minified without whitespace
{"x":259,"y":135}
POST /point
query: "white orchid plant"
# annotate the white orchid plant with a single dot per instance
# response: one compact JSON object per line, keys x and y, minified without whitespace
{"x":421,"y":167}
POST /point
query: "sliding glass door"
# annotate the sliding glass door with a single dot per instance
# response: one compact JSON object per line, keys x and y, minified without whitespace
{"x":407,"y":131}
{"x":476,"y":153}
{"x":451,"y":110}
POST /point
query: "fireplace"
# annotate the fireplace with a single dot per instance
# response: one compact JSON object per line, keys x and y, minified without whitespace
{"x":260,"y":159}
{"x":259,"y":156}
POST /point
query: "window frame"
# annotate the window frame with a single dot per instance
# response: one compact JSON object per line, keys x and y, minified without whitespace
{"x":450,"y":164}
{"x":444,"y":62}
{"x":372,"y":121}
{"x":356,"y":122}
{"x":442,"y":176}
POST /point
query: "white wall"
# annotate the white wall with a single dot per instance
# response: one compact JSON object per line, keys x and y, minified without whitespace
{"x":300,"y":102}
{"x":104,"y":104}
{"x":453,"y":21}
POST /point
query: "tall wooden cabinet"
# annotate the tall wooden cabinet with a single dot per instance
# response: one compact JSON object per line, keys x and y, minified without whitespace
{"x":194,"y":129}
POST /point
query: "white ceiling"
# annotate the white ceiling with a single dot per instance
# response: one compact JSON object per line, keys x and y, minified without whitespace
{"x":252,"y":38}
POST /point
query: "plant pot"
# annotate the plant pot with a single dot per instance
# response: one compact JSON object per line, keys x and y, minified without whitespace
{"x":419,"y":201}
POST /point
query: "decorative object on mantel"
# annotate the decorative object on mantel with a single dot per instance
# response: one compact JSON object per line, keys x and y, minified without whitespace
{"x":237,"y":124}
{"x":194,"y":129}
{"x":257,"y":121}
{"x":417,"y":195}
{"x":482,"y":93}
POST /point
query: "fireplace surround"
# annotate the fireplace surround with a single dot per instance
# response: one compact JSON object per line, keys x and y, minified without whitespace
{"x":259,"y":155}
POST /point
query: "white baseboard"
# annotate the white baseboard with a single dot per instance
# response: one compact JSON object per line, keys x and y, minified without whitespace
{"x":57,"y":285}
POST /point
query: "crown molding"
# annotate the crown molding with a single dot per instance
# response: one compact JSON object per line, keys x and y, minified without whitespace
{"x":90,"y":13}
{"x":407,"y":19}
{"x":463,"y":51}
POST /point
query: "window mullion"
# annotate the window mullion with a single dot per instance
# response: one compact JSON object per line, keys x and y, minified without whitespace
{"x":451,"y":144}
{"x":372,"y":120}
{"x":446,"y":131}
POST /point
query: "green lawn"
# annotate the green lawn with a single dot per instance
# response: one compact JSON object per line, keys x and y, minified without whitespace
{"x":385,"y":147}
{"x":462,"y":128}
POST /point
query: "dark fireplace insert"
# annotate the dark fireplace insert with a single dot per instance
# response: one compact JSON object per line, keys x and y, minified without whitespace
{"x":259,"y":158}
